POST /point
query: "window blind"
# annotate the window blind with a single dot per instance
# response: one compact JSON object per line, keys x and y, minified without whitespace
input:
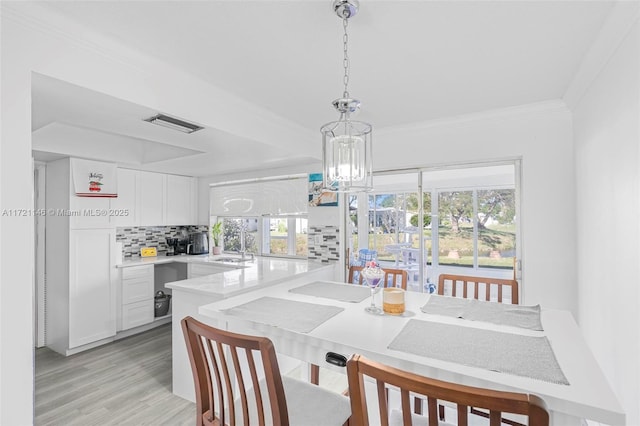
{"x":283,"y":196}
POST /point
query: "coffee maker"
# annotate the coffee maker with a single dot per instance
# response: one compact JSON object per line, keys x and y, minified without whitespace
{"x":181,"y":247}
{"x":172,"y":244}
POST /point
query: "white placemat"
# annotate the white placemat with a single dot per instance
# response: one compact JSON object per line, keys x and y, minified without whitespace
{"x":478,"y":310}
{"x":301,"y":317}
{"x":342,"y":292}
{"x":526,"y":356}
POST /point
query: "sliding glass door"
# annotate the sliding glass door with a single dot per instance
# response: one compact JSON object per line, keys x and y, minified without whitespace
{"x":456,"y":220}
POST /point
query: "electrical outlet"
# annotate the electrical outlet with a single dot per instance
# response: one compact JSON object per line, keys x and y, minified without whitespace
{"x":317,"y":239}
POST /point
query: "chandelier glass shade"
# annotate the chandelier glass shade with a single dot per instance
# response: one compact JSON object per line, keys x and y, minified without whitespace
{"x":346,"y":152}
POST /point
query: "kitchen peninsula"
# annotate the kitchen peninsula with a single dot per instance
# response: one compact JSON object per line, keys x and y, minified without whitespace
{"x":234,"y":278}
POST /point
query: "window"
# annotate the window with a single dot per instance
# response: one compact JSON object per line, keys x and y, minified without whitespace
{"x":285,"y":236}
{"x":268,"y":236}
{"x":262,"y":216}
{"x":467,"y":220}
{"x":237,"y":230}
{"x":477,"y":228}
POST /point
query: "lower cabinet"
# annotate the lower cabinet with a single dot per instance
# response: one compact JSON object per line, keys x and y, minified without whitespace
{"x":136,"y":294}
{"x":91,"y":292}
{"x":81,"y":287}
{"x":136,"y":314}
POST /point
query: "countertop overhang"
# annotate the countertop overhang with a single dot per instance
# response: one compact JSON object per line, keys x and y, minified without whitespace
{"x":246,"y":276}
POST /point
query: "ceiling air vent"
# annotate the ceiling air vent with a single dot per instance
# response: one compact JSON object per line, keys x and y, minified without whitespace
{"x":174,"y":123}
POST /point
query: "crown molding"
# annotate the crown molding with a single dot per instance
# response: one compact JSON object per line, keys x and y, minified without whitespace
{"x":616,"y":28}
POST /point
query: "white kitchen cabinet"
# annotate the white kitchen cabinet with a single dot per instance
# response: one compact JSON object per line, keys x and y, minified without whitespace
{"x":137,"y":284}
{"x":124,"y":208}
{"x":91,"y":290}
{"x":151,"y":195}
{"x":154,"y":199}
{"x":80,"y":266}
{"x":136,"y":296}
{"x":89,"y":212}
{"x":137,"y":314}
{"x":81,"y":290}
{"x":82,"y":212}
{"x":179,"y":200}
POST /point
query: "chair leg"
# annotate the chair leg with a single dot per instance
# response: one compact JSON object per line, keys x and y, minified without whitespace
{"x":441,"y":412}
{"x":315,"y":374}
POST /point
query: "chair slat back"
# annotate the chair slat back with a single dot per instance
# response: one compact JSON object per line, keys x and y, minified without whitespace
{"x":392,"y":277}
{"x":476,"y":283}
{"x":411,"y":385}
{"x":222,"y":363}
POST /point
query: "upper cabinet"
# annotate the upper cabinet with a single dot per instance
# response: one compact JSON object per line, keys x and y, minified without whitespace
{"x":124,"y":206}
{"x":154,"y":199}
{"x":143,"y":198}
{"x":63,"y":203}
{"x":180,"y":200}
{"x":151,"y":195}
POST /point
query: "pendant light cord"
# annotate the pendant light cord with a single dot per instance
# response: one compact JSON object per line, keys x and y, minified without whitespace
{"x":345,"y":60}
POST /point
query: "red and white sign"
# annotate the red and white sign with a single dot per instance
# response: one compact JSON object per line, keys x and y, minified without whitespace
{"x":94,"y":178}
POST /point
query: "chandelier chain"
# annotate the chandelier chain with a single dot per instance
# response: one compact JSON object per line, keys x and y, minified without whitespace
{"x":345,"y":61}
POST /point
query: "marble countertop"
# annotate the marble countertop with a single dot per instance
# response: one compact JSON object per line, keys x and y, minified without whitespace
{"x":187,"y":258}
{"x":239,"y":278}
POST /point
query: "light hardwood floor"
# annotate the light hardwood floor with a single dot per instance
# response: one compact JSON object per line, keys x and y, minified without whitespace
{"x":127,"y":382}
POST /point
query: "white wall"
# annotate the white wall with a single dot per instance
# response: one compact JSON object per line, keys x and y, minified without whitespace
{"x":608,"y":223}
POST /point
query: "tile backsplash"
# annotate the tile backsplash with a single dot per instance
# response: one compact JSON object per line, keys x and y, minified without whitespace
{"x":135,"y":237}
{"x":324,"y":244}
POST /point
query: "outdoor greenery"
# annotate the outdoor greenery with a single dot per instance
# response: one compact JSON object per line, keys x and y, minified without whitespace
{"x":456,"y":207}
{"x":495,"y":226}
{"x":426,"y":220}
{"x":232,"y":228}
{"x":279,"y":243}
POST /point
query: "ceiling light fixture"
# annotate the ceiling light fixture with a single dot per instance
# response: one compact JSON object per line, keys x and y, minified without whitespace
{"x":346,"y":144}
{"x":173,"y":123}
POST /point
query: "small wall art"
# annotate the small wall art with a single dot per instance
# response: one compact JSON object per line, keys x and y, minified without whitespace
{"x":318,"y":195}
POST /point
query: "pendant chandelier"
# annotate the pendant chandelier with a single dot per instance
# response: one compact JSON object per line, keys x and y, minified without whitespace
{"x":346,"y":144}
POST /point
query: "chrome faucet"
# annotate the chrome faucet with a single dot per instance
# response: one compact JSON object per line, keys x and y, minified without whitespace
{"x":243,"y":249}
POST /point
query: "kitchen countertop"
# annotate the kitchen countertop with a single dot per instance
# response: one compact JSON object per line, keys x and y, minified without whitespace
{"x":187,"y":258}
{"x":243,"y":277}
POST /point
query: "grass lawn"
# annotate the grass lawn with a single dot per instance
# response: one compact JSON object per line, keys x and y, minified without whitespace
{"x":499,"y":239}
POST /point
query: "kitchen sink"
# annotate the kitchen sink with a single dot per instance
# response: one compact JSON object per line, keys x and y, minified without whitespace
{"x":232,"y":259}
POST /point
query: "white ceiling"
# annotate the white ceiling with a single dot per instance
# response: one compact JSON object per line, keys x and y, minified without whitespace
{"x":411,"y":61}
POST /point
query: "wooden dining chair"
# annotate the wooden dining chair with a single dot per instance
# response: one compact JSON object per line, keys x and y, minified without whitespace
{"x":476,"y":283}
{"x":238,"y":382}
{"x":435,"y":392}
{"x":392,"y":277}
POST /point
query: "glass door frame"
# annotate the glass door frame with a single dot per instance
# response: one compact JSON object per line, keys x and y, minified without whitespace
{"x":363,"y":213}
